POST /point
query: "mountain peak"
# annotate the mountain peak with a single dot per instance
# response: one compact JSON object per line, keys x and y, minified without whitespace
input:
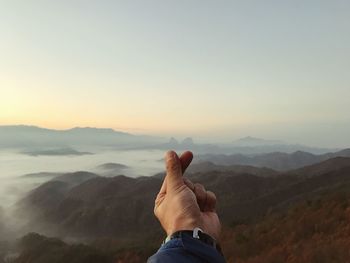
{"x":94,"y":129}
{"x":173,"y":141}
{"x":187,"y":141}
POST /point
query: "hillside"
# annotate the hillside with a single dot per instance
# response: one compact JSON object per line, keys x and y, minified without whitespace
{"x":120,"y":206}
{"x":292,"y":237}
{"x":312,"y":231}
{"x":269,"y":218}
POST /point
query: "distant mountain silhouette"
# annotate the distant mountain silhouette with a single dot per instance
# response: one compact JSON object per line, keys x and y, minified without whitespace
{"x":111,"y":169}
{"x":41,"y":175}
{"x":187,"y":142}
{"x":205,"y":167}
{"x":277,"y":160}
{"x":252,"y":141}
{"x":40,"y":141}
{"x":54,"y":152}
{"x":246,"y":146}
{"x":75,"y":178}
{"x":173,"y":143}
{"x":40,"y":138}
{"x":112,"y":166}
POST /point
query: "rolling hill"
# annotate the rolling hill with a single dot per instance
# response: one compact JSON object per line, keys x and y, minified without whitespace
{"x":285,"y":217}
{"x":121,"y":206}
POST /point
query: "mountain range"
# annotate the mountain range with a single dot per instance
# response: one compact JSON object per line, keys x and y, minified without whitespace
{"x":85,"y":204}
{"x":253,"y":141}
{"x":41,"y":141}
{"x":37,"y":138}
{"x":276,"y":160}
{"x":118,"y":210}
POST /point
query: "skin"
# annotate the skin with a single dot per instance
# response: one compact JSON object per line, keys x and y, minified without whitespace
{"x":183,"y":205}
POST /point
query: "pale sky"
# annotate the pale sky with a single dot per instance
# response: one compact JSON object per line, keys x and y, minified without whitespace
{"x":209,"y":69}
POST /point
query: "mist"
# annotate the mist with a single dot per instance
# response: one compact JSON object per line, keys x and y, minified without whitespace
{"x":31,"y":156}
{"x":40,"y":168}
{"x":21,"y":172}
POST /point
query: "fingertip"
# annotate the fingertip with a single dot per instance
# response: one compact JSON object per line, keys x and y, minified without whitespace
{"x":172,"y":160}
{"x":186,"y":159}
{"x":170,"y":155}
{"x":188,"y":154}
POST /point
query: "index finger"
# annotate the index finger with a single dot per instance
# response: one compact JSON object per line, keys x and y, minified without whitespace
{"x":186,"y":159}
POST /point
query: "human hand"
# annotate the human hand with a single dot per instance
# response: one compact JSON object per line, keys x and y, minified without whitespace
{"x":182,"y":205}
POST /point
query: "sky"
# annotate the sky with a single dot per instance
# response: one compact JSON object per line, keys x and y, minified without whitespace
{"x":215,"y":70}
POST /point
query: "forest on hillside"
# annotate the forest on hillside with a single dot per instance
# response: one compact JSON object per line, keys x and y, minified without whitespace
{"x":301,"y":215}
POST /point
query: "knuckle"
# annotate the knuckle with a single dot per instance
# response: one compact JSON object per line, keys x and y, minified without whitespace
{"x":189,"y":183}
{"x":199,"y":187}
{"x":156,"y":211}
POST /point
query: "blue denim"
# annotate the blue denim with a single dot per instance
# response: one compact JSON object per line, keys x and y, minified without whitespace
{"x":186,"y":249}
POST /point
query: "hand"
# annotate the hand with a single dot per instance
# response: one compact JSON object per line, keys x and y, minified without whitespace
{"x":182,"y":205}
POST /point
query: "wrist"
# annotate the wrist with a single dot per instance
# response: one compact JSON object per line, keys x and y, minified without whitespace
{"x":195,"y":234}
{"x":181,"y":225}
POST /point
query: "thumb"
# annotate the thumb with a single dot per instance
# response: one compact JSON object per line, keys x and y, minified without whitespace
{"x":173,"y":171}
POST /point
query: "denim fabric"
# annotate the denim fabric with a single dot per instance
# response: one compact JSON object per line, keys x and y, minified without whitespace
{"x":186,"y":249}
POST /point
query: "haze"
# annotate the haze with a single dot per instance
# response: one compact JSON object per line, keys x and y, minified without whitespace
{"x":212,"y":70}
